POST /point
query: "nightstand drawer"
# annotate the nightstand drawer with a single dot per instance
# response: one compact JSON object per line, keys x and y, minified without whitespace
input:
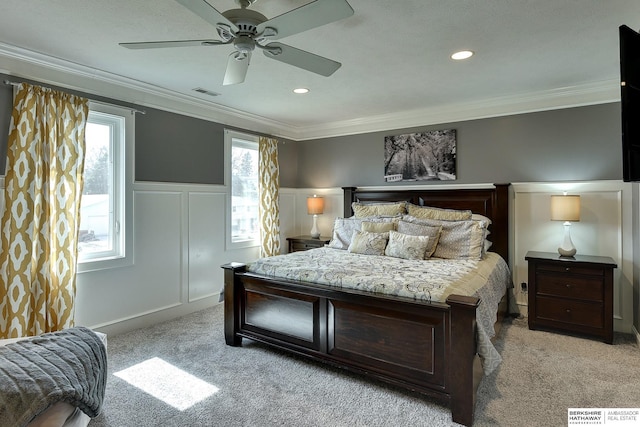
{"x":571,"y":269}
{"x":304,"y":243}
{"x":570,"y":311}
{"x":571,"y":286}
{"x":301,"y":246}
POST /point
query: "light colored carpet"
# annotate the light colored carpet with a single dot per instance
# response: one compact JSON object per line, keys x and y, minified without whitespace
{"x":541,"y":376}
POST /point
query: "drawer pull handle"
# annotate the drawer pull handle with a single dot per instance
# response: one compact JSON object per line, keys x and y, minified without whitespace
{"x":568,"y":311}
{"x":568,"y":286}
{"x":567,"y":269}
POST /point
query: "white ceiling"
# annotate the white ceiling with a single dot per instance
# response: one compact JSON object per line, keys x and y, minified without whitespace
{"x":396,"y":70}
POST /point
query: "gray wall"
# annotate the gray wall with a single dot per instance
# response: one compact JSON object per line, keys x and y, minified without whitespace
{"x":561,"y":145}
{"x":169,"y":147}
{"x":175,"y":148}
{"x":288,"y":163}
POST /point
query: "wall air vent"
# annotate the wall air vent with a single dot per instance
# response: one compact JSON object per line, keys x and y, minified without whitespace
{"x":206,"y":92}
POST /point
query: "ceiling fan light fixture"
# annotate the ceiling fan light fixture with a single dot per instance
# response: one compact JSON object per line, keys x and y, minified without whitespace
{"x":301,"y":90}
{"x":462,"y":54}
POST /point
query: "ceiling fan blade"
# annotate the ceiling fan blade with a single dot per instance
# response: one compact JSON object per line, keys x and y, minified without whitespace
{"x":207,"y":12}
{"x":237,"y":66}
{"x":302,"y":59}
{"x":175,"y":43}
{"x":311,"y":15}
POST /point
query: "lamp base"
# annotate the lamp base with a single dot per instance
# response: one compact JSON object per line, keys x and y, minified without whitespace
{"x":315,"y":233}
{"x":567,"y":249}
{"x":567,"y":253}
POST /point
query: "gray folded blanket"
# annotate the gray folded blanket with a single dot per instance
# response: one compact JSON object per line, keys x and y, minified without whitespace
{"x":68,"y":366}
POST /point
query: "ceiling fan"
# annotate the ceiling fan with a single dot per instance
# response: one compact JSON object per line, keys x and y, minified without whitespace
{"x":247,"y":29}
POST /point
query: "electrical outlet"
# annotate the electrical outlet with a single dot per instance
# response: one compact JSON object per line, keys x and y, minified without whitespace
{"x":523,"y":286}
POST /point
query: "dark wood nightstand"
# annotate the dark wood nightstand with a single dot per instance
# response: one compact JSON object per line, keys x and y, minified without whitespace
{"x":571,"y":294}
{"x":304,"y":243}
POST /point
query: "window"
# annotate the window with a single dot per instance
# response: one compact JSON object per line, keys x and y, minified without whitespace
{"x":243,"y":228}
{"x":104,"y":222}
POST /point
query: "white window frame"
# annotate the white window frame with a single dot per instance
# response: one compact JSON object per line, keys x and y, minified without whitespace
{"x":229,"y":136}
{"x":123,"y":122}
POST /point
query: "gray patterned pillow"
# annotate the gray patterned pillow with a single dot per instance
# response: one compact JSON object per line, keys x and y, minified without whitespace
{"x":367,"y":243}
{"x":458,"y":239}
{"x":431,"y":231}
{"x":406,"y":246}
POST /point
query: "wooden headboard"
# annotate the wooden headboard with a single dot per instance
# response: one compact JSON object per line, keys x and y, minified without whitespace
{"x":490,"y":202}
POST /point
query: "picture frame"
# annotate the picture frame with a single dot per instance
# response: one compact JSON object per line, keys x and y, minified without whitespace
{"x":421,"y":156}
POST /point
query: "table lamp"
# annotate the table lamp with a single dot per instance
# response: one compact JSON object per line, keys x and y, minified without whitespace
{"x":566,"y":208}
{"x":315,"y":207}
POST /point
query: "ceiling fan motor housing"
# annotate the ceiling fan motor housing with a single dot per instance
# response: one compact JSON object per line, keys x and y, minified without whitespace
{"x":246,"y":20}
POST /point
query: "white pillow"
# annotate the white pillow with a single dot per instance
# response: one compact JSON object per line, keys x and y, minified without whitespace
{"x":343,"y":229}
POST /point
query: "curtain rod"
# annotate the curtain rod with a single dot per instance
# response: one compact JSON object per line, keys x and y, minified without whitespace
{"x":134,"y":110}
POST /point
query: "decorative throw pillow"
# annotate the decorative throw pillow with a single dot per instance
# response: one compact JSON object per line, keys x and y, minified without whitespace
{"x":428,"y":212}
{"x":363,"y":210}
{"x":377,"y":227}
{"x":431,"y":231}
{"x":366,"y":243}
{"x":406,"y":246}
{"x":458,"y":239}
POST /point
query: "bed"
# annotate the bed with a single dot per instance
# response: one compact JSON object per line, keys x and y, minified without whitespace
{"x":54,"y":380}
{"x":437,"y":345}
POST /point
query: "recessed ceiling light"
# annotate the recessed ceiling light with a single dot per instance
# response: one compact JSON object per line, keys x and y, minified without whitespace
{"x":463,"y":54}
{"x":301,"y":90}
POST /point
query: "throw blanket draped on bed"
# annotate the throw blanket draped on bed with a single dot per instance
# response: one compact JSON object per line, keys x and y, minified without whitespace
{"x":430,"y":280}
{"x":68,"y":366}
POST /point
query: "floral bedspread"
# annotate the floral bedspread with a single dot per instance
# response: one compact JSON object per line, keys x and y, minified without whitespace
{"x":430,"y":280}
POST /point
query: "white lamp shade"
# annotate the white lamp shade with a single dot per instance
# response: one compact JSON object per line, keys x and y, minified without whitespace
{"x":315,"y":205}
{"x":565,"y":208}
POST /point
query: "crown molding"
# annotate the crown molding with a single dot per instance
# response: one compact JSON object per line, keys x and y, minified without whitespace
{"x":568,"y":97}
{"x":27,"y":64}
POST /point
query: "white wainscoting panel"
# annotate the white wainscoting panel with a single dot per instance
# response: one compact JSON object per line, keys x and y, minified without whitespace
{"x":604,"y":229}
{"x":153,"y":283}
{"x":206,"y":244}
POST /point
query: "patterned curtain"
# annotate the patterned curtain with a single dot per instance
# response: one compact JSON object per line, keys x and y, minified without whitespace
{"x":269,"y":209}
{"x":41,"y":217}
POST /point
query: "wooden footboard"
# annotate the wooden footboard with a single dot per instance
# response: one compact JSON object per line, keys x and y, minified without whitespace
{"x":425,"y":347}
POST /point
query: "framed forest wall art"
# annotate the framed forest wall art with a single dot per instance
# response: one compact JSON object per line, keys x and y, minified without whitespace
{"x":420,"y":156}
